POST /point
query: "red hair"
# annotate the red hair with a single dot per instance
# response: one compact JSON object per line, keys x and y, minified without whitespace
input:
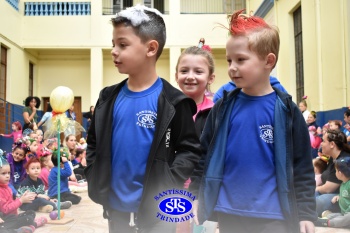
{"x":241,"y":24}
{"x":263,"y":38}
{"x":18,"y":125}
{"x":30,"y":161}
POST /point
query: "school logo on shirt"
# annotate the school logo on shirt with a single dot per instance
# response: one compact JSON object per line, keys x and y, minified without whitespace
{"x":266,"y":133}
{"x":146,"y":119}
{"x":175,"y":205}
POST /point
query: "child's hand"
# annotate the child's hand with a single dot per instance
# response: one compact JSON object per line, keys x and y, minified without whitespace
{"x":53,"y":200}
{"x":307,"y":227}
{"x":27,"y":197}
{"x":2,"y":134}
{"x":64,"y":159}
{"x":335,"y":199}
{"x":1,"y":221}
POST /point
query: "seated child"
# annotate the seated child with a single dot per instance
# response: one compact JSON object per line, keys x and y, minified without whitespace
{"x":66,"y":172}
{"x":9,"y":206}
{"x":7,"y":227}
{"x":16,"y":160}
{"x":341,"y":220}
{"x":320,"y":165}
{"x":33,"y":147}
{"x":335,"y":124}
{"x":79,"y":163}
{"x":83,"y":143}
{"x":46,"y":166}
{"x":32,"y":183}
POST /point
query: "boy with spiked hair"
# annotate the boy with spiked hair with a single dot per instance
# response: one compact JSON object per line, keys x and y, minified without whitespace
{"x":142,"y":139}
{"x":257,"y":165}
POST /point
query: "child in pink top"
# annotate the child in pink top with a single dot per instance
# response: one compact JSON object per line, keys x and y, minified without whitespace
{"x":194,"y":74}
{"x":46,"y":165}
{"x":17,"y":132}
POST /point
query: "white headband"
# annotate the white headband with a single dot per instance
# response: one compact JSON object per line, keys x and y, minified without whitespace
{"x":137,"y":15}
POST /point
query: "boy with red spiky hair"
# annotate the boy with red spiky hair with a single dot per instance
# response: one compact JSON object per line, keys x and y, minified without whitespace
{"x":256,"y":164}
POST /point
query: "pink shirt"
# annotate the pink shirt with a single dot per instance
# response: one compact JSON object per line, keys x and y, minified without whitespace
{"x":16,"y":135}
{"x":207,"y":103}
{"x":44,"y":176}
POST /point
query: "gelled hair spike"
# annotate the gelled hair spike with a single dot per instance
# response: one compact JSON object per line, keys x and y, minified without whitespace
{"x":3,"y":161}
{"x":137,"y":15}
{"x":240,"y":24}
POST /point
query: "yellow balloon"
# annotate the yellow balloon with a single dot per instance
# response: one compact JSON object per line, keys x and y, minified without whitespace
{"x":61,"y":99}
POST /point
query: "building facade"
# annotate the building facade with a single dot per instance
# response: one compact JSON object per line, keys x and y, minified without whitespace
{"x":49,"y":44}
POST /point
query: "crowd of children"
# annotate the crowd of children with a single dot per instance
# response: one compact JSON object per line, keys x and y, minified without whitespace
{"x":28,"y":179}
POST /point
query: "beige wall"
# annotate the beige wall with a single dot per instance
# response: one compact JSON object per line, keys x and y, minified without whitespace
{"x":74,"y":74}
{"x":325,"y":49}
{"x":60,"y":46}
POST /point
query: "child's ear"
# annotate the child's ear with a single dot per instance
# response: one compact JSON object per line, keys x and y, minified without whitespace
{"x":211,"y":79}
{"x":152,"y":48}
{"x":270,"y":60}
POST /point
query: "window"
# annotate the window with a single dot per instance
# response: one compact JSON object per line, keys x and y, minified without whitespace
{"x":119,"y":5}
{"x":299,"y":66}
{"x":211,"y":7}
{"x":233,"y":5}
{"x":31,"y":78}
{"x":148,"y":3}
{"x":3,"y":72}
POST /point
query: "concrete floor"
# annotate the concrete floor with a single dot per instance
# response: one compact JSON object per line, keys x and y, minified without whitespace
{"x":88,"y":219}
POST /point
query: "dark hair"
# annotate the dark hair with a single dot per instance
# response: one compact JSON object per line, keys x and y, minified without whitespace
{"x":78,"y":152}
{"x":30,"y":161}
{"x":339,"y":139}
{"x":20,"y":145}
{"x":63,"y":153}
{"x":343,"y":165}
{"x":49,"y":108}
{"x":314,"y":114}
{"x":347,"y":112}
{"x":30,"y":98}
{"x":320,"y":164}
{"x":154,"y":29}
{"x":54,"y":159}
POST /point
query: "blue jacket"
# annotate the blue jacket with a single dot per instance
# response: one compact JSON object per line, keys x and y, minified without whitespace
{"x":294,"y":169}
{"x":230,"y":86}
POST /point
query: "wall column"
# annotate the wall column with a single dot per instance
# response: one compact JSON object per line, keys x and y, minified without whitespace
{"x":174,"y":54}
{"x":96,"y":76}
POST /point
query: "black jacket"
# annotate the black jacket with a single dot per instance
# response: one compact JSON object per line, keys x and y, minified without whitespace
{"x":174,"y":152}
